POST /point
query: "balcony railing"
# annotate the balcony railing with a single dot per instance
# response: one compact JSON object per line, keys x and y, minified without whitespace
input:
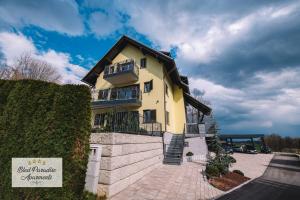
{"x":125,"y":122}
{"x":125,"y":96}
{"x":195,"y":130}
{"x":121,"y":72}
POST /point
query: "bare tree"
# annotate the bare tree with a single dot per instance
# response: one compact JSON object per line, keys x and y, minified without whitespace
{"x":5,"y":72}
{"x":192,"y":113}
{"x":27,"y":67}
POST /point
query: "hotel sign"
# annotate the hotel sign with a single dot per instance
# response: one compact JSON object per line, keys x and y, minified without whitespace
{"x":36,"y":172}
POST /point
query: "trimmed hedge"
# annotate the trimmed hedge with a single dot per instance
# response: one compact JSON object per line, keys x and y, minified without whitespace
{"x":41,"y":119}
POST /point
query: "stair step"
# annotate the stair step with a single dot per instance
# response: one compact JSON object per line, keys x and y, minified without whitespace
{"x":173,"y":154}
{"x":174,"y":149}
{"x":172,"y":163}
{"x":172,"y":159}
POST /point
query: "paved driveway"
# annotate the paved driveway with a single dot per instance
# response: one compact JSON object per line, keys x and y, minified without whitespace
{"x":186,"y":182}
{"x":253,"y":165}
{"x":168,"y":182}
{"x":281,"y":181}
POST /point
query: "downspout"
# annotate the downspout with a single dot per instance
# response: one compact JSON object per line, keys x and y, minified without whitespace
{"x":163,"y":138}
{"x":165,"y":102}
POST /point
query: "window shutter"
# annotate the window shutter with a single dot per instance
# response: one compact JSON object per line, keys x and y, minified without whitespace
{"x":143,"y":63}
{"x":153,"y":115}
{"x":151,"y":84}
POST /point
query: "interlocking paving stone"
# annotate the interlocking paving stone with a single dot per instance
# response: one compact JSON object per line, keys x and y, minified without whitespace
{"x":186,"y":182}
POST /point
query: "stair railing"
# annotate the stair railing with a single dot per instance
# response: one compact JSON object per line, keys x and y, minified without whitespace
{"x":163,"y":142}
{"x":183,"y":142}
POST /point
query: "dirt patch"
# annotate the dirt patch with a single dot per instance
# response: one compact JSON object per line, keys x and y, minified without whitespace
{"x":228,"y":181}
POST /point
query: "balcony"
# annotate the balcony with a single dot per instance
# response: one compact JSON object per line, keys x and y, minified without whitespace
{"x":125,"y":122}
{"x":126,"y":97}
{"x":122,"y":72}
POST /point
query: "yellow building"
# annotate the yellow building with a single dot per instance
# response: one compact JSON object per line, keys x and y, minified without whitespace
{"x":138,"y":88}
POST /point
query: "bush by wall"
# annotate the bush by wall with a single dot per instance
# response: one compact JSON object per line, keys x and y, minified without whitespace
{"x":40,"y":119}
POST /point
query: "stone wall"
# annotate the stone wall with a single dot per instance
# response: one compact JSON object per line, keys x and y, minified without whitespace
{"x":125,"y":159}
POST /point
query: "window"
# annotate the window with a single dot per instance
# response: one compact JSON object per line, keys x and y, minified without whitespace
{"x":166,"y":88}
{"x":167,"y":117}
{"x":148,"y":86}
{"x":143,"y":63}
{"x":99,"y":119}
{"x":103,"y":94}
{"x":149,"y":116}
{"x":111,"y":69}
{"x":113,"y":94}
{"x":106,"y":70}
{"x":135,"y":92}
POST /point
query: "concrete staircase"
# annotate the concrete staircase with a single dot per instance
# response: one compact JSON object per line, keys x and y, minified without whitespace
{"x":173,"y":154}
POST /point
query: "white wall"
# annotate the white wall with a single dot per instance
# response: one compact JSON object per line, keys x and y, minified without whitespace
{"x":125,"y":159}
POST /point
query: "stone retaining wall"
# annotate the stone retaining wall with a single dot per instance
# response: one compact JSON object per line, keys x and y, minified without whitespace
{"x":125,"y":159}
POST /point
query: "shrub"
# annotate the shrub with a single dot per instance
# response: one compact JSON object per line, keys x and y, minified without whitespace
{"x":90,"y":196}
{"x":223,"y":169}
{"x":189,"y":153}
{"x":41,"y":119}
{"x":232,"y":159}
{"x":221,"y":162}
{"x":238,"y":172}
{"x":212,"y":171}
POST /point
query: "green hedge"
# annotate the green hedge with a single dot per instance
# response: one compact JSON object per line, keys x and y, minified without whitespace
{"x":40,"y":119}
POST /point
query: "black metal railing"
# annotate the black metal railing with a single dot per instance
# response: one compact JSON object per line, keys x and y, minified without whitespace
{"x":183,"y":144}
{"x":126,"y":122}
{"x":191,"y":128}
{"x":121,"y":67}
{"x":114,"y":94}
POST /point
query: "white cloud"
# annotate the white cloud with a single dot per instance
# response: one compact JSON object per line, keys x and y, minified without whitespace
{"x":104,"y":24}
{"x":199,"y":34}
{"x":12,"y":45}
{"x":250,"y":124}
{"x":272,"y":99}
{"x":284,"y":11}
{"x":61,"y":16}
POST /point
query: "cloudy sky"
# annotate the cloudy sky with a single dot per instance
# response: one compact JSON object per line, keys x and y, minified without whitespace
{"x":244,"y":56}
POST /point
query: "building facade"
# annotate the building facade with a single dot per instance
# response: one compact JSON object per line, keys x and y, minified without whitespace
{"x":142,"y":88}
